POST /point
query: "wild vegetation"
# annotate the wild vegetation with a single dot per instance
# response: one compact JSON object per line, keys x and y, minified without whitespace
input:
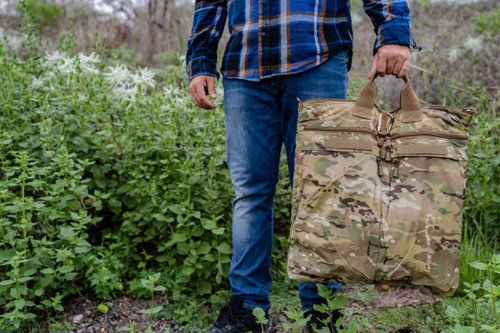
{"x":112,"y":182}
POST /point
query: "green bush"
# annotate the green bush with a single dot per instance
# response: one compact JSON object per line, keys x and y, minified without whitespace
{"x":105,"y":177}
{"x":44,"y":15}
{"x":487,"y":21}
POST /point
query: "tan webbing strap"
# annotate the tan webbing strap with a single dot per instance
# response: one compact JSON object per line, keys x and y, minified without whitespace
{"x":333,"y":143}
{"x":410,"y":105}
{"x":365,"y":101}
{"x":421,"y":149}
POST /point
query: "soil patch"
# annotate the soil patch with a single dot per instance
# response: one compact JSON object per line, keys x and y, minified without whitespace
{"x":123,"y":311}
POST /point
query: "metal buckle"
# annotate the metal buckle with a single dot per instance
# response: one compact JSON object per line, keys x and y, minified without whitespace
{"x":382,"y":120}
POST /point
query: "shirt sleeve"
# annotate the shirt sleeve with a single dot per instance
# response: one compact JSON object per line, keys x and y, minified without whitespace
{"x":208,"y":25}
{"x":391,"y":21}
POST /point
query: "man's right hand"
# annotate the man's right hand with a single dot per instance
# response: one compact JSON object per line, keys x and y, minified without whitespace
{"x":197,"y":90}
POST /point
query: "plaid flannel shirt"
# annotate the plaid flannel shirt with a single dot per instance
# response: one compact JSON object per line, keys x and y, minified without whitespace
{"x":270,"y":37}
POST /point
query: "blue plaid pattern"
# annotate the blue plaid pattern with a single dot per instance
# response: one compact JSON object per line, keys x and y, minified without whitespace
{"x":270,"y":37}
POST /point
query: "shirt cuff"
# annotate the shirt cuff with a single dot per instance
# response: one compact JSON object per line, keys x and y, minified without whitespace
{"x":201,"y":66}
{"x":394,"y":32}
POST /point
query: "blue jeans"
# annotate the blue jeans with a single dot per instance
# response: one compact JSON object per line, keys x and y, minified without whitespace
{"x":260,"y":117}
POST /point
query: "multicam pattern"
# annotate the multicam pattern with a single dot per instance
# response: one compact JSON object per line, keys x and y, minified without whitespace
{"x":374,"y":209}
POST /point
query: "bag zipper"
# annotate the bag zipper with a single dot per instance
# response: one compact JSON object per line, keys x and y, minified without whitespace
{"x":340,"y":129}
{"x":344,"y":129}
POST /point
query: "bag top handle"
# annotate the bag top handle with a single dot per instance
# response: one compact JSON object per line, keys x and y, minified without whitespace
{"x":410,"y":105}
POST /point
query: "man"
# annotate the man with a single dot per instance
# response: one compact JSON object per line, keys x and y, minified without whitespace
{"x":279,"y":50}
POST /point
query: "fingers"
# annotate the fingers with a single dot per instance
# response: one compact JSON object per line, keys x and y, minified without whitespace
{"x":404,"y":69}
{"x":382,"y":65}
{"x":211,"y":87}
{"x":389,"y":68}
{"x":392,"y":59}
{"x":197,"y":91}
{"x":374,"y":66}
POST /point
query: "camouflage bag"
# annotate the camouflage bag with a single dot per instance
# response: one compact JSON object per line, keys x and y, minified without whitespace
{"x":378,"y":196}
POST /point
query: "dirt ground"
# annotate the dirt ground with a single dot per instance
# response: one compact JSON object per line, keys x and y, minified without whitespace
{"x":84,"y":316}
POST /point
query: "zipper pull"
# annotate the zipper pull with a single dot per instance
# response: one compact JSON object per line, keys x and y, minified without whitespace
{"x":382,"y":153}
{"x":388,"y":155}
{"x":379,"y":164}
{"x":388,"y":147}
{"x":395,"y":171}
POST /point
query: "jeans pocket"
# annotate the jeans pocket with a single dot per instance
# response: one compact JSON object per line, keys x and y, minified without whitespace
{"x":341,"y":56}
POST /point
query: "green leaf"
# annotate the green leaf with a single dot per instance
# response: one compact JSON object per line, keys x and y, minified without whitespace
{"x":495,"y":290}
{"x":146,"y":283}
{"x":224,"y":248}
{"x":479,"y":265}
{"x":66,"y":269}
{"x":204,"y":248}
{"x":70,"y":276}
{"x":258,"y":312}
{"x":160,"y":288}
{"x":224,"y":258}
{"x":322,"y":308}
{"x":67,"y":232}
{"x":6,"y":255}
{"x":47,"y":270}
{"x":179,"y":210}
{"x":179,"y":238}
{"x":154,"y":277}
{"x":6,"y":282}
{"x":218,"y":231}
{"x":338,"y":302}
{"x":204,"y":288}
{"x":82,"y":249}
{"x":157,"y":309}
{"x":102,"y":308}
{"x":20,"y":303}
{"x":208,"y":224}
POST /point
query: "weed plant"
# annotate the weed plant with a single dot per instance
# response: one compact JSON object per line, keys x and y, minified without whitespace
{"x":104,"y":178}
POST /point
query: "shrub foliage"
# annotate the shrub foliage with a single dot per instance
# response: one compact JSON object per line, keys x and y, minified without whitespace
{"x":103,"y":176}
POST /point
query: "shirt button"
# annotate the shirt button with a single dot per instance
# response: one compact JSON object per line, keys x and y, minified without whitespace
{"x":263,"y":33}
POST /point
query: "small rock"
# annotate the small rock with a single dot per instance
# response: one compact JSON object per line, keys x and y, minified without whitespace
{"x":384,"y":287}
{"x":77,"y":319}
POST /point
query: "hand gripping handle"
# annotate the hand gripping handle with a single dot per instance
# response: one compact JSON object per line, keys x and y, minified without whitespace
{"x":410,"y":105}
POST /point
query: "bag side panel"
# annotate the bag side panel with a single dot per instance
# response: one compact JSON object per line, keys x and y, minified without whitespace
{"x":423,"y":224}
{"x":335,"y":218}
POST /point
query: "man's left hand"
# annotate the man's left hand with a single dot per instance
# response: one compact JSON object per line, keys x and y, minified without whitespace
{"x":391,"y":59}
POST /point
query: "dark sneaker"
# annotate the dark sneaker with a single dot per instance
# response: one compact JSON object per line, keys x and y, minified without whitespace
{"x":233,"y":318}
{"x":316,"y":318}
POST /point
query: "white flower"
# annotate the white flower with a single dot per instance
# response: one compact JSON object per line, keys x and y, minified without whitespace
{"x":474,"y":44}
{"x":89,"y":59}
{"x":454,"y":54}
{"x":119,"y":75}
{"x":53,"y":58}
{"x":126,"y":94}
{"x":82,"y":97}
{"x":171,"y":91}
{"x":143,"y":77}
{"x":182,"y":60}
{"x":37,"y":82}
{"x":87,"y":62}
{"x":68,"y":66}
